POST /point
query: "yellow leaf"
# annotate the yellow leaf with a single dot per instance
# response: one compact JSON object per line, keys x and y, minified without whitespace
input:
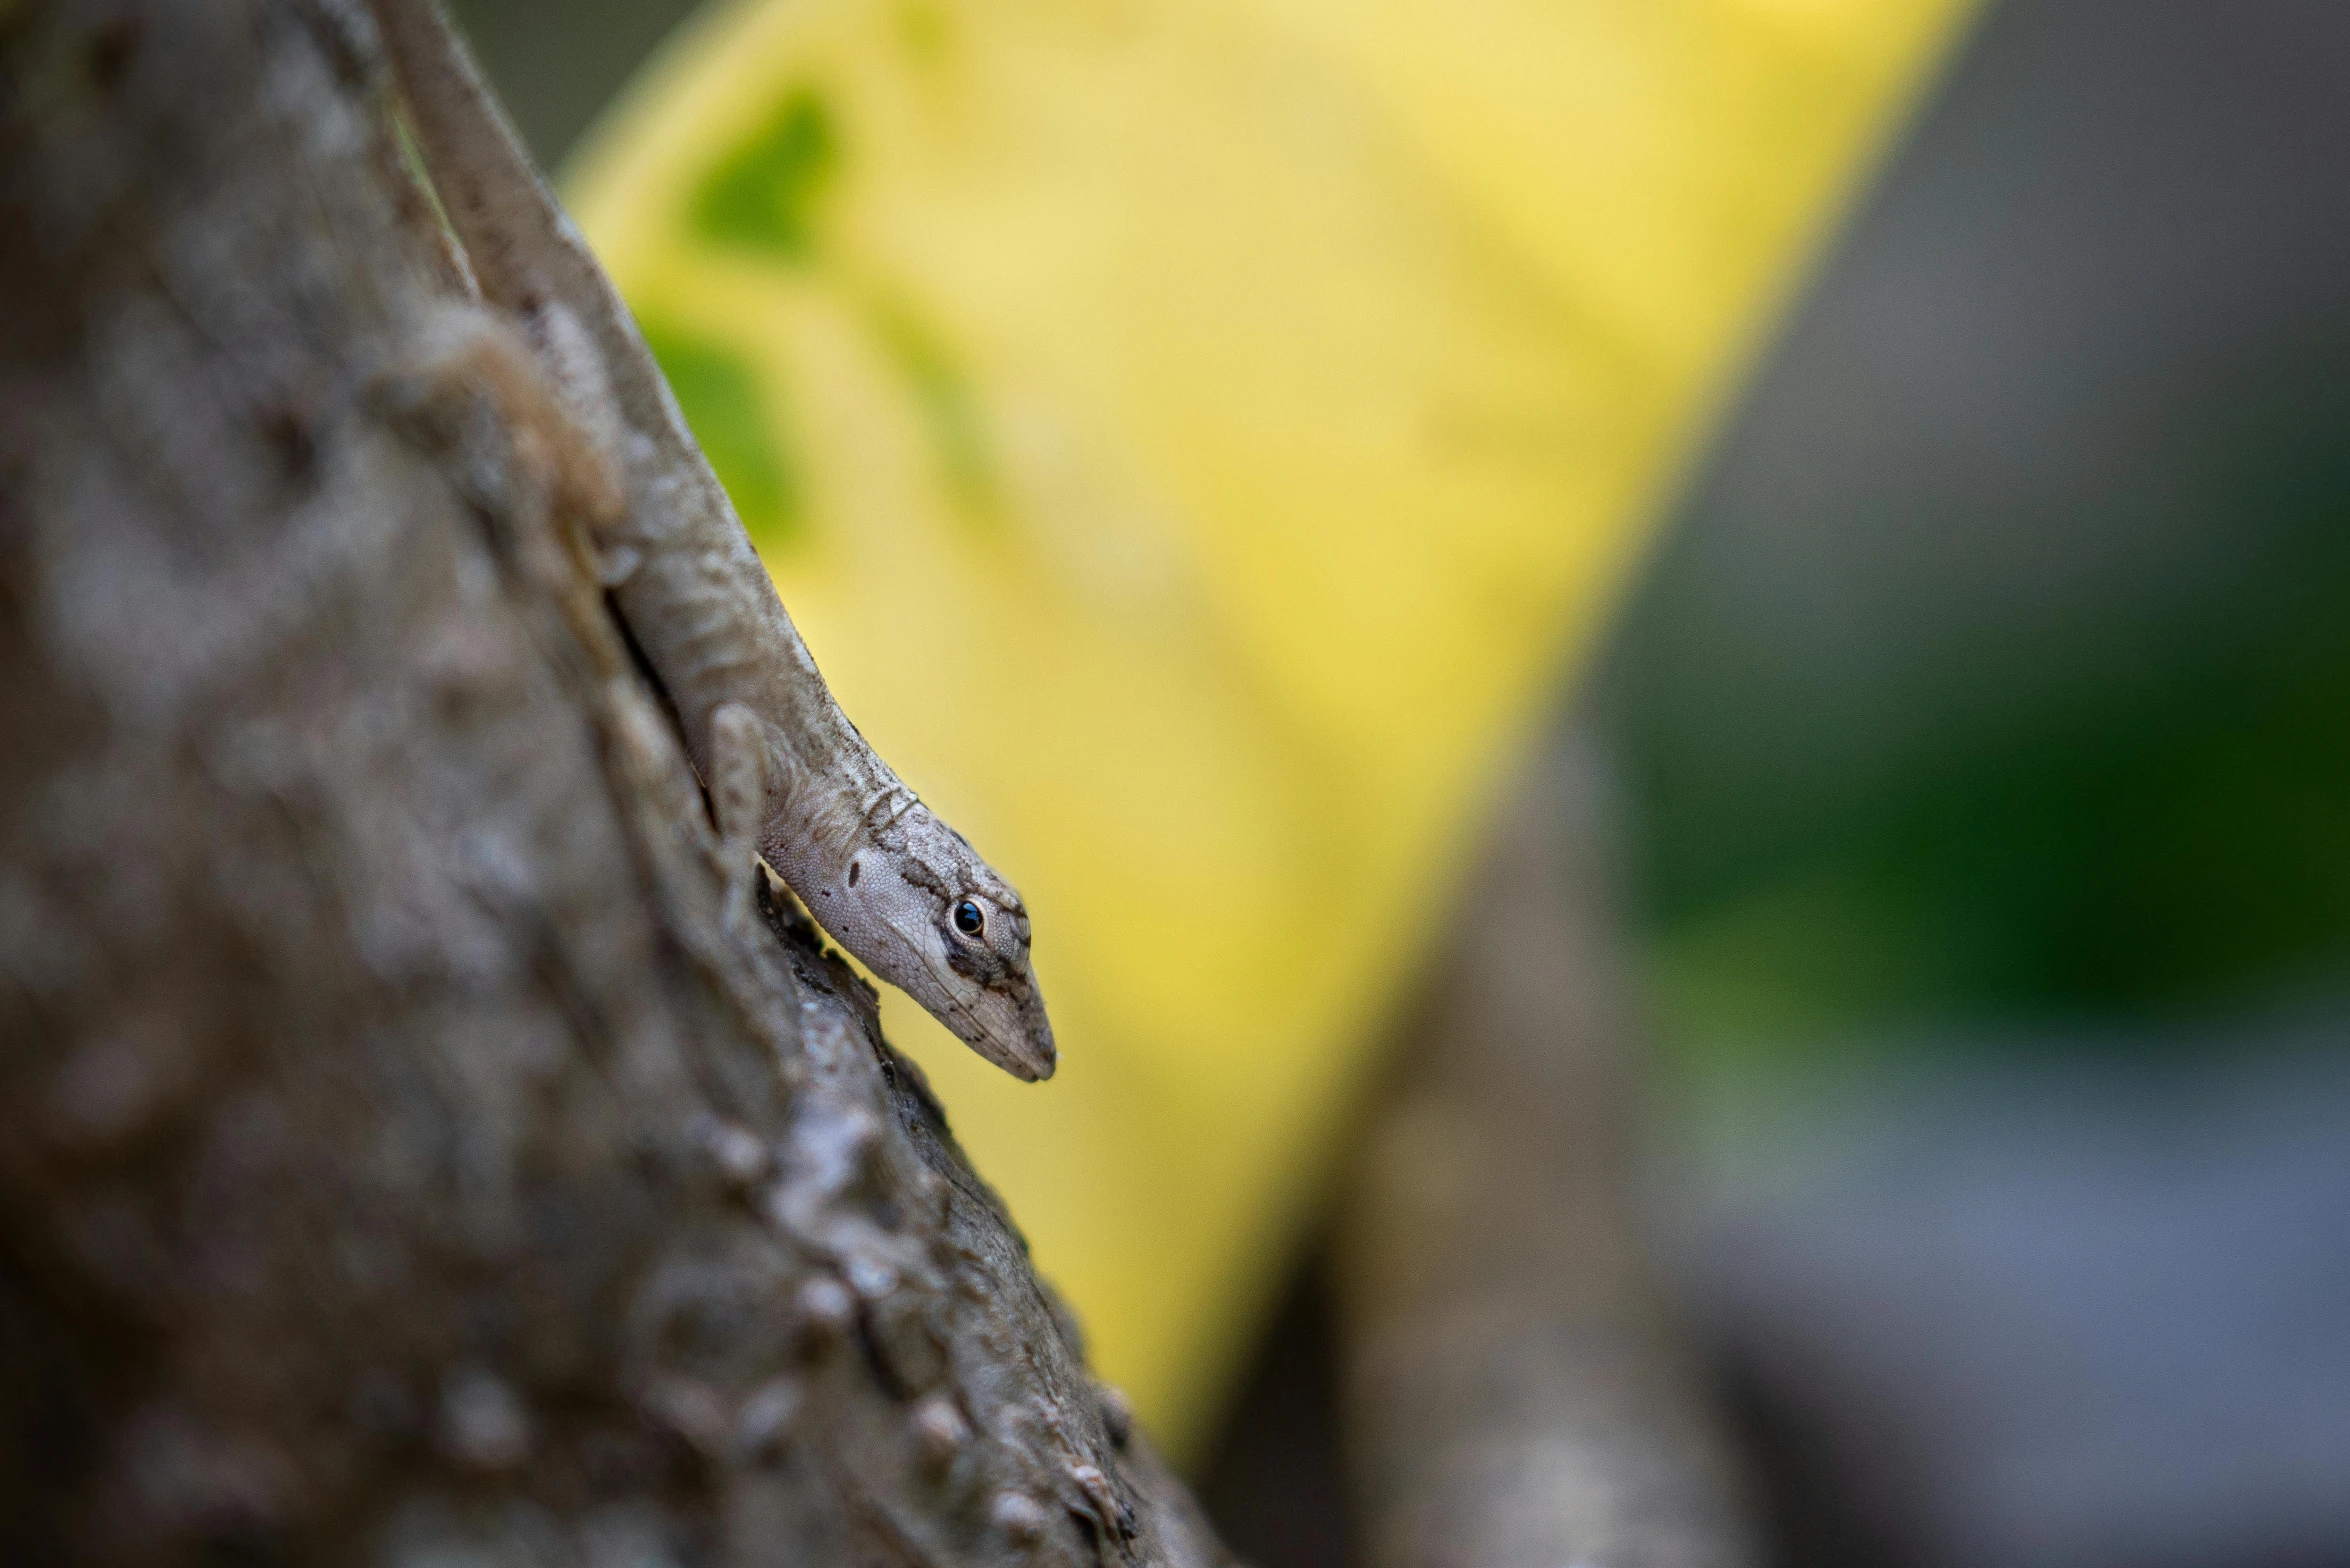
{"x":1196,"y":438}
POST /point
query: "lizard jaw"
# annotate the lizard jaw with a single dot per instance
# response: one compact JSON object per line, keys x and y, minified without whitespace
{"x":1008,"y":1036}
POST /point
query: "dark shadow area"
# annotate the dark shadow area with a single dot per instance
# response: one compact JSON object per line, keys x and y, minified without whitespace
{"x":1272,"y":1481}
{"x":558,"y":66}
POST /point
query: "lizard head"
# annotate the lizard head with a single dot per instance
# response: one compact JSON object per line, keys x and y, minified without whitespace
{"x":925,"y":913}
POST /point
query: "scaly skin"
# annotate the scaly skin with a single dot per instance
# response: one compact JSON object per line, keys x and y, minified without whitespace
{"x":789,"y":776}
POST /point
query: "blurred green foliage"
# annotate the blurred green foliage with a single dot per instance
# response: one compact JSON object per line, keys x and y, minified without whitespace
{"x":1998,"y":666}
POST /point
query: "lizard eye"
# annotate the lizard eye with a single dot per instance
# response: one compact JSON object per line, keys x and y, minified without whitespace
{"x":968,"y":919}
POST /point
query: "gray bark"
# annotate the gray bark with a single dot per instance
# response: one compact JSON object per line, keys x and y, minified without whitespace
{"x":1517,"y":1394}
{"x":399,"y":1160}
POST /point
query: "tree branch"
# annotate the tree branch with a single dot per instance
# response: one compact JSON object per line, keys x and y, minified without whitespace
{"x":1515,"y":1391}
{"x":399,"y":1160}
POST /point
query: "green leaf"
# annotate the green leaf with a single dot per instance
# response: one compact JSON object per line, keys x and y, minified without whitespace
{"x":762,"y":196}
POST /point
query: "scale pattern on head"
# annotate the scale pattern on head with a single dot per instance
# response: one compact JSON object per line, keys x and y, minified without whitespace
{"x":913,"y":901}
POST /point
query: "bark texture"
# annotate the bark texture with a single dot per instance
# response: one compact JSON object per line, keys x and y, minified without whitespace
{"x":1516,"y":1393}
{"x":400,"y":1161}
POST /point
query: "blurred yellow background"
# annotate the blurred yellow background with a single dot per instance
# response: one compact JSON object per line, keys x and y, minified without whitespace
{"x":1196,"y":441}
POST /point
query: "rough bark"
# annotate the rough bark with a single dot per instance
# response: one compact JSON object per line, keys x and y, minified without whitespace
{"x":1516,"y":1394}
{"x":400,"y":1162}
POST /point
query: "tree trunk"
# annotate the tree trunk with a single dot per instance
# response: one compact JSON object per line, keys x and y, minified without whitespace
{"x":1516,"y":1393}
{"x":400,"y":1162}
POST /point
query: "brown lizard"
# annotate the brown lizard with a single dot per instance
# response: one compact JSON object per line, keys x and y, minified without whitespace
{"x":790,"y":780}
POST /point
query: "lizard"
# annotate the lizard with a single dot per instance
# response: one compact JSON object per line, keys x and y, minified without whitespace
{"x":790,"y":780}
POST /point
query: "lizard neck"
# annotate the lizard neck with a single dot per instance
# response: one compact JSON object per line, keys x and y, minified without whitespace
{"x":826,"y":809}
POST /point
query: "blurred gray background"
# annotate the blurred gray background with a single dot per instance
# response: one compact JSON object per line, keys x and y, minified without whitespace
{"x":1983,"y":720}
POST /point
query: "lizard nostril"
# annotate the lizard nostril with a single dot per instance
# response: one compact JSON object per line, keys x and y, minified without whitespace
{"x":854,"y":867}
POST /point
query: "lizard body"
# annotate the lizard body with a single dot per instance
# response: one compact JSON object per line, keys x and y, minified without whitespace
{"x":789,"y":777}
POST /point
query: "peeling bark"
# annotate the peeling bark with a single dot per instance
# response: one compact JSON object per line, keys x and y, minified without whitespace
{"x":1516,"y":1393}
{"x":400,"y":1162}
